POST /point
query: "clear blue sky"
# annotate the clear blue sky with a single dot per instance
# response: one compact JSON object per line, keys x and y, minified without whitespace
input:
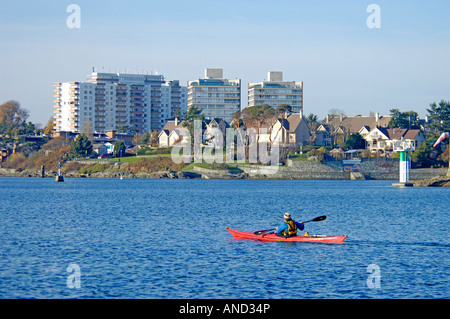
{"x":327,"y":44}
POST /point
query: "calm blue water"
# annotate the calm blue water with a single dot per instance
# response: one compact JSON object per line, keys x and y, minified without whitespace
{"x":167,"y":239}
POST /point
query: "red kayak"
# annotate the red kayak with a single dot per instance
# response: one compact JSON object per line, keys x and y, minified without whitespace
{"x":272,"y":237}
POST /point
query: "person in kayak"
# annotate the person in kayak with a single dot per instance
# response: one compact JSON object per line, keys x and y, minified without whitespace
{"x":289,"y":227}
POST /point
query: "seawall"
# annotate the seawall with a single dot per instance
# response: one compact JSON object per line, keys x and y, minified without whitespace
{"x":307,"y":170}
{"x":371,"y":169}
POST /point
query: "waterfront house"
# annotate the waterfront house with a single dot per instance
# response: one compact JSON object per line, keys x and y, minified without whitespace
{"x":336,"y":128}
{"x":166,"y":137}
{"x":100,"y":149}
{"x":292,"y":130}
{"x":357,"y":124}
{"x":126,"y":138}
{"x":180,"y":136}
{"x":163,"y":138}
{"x":288,"y":131}
{"x":322,"y":136}
{"x":110,"y":147}
{"x":214,"y":125}
{"x":382,"y":140}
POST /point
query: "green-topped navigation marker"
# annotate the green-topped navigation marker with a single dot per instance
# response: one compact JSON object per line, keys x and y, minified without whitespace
{"x":403,"y":147}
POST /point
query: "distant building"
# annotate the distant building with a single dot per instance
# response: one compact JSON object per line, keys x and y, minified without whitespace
{"x":74,"y":106}
{"x":112,"y":101}
{"x":173,"y":133}
{"x":292,"y":130}
{"x":215,"y":96}
{"x":382,"y":140}
{"x":334,"y":129}
{"x":275,"y":91}
{"x":357,"y":124}
{"x":100,"y":149}
{"x":173,"y":96}
{"x":215,"y":125}
{"x":322,"y":136}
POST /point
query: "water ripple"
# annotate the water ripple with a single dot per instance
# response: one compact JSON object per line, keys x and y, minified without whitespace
{"x":167,"y":239}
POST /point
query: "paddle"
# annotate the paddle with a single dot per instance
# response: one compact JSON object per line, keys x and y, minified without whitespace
{"x":317,"y":219}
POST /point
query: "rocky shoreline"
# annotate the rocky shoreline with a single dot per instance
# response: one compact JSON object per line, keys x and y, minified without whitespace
{"x":6,"y":172}
{"x":439,"y":181}
{"x":107,"y":174}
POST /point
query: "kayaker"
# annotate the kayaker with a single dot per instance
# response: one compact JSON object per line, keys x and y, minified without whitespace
{"x":289,"y":227}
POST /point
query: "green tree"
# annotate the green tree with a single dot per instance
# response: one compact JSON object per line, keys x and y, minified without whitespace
{"x":191,"y":115}
{"x":319,"y":153}
{"x":257,"y":113}
{"x":312,"y":121}
{"x":409,"y":120}
{"x":194,"y":113}
{"x":312,"y":118}
{"x":283,"y":109}
{"x":81,"y":146}
{"x":119,"y":149}
{"x":439,"y":116}
{"x":421,"y":156}
{"x":355,"y":141}
{"x":145,"y":138}
{"x":177,"y":113}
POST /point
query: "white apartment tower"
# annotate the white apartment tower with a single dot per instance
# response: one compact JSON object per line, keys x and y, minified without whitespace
{"x":215,"y":96}
{"x":112,"y":101}
{"x":275,"y":91}
{"x":173,"y":96}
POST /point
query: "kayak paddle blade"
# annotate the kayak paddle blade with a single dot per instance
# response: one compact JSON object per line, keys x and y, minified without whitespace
{"x":260,"y":232}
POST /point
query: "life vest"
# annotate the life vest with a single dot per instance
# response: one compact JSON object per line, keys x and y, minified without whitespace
{"x":292,"y":228}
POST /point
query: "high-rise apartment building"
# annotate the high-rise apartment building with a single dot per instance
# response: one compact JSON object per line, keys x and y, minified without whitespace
{"x":111,"y":101}
{"x":275,"y":91}
{"x":215,"y":96}
{"x":173,"y":96}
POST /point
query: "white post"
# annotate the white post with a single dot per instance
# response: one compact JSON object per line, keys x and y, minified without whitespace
{"x":404,"y":166}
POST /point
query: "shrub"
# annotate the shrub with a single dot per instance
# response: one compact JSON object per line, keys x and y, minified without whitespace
{"x":154,"y":164}
{"x":72,"y":167}
{"x":16,"y":160}
{"x":93,"y":168}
